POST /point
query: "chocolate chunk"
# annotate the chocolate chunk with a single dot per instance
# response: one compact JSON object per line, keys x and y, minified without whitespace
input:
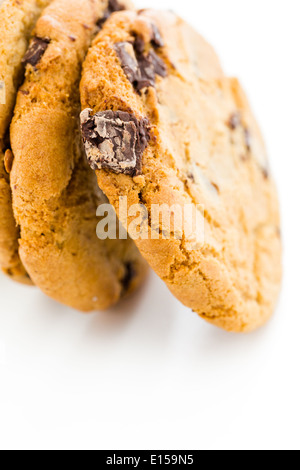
{"x":36,"y":51}
{"x":113,"y":5}
{"x":157,"y":40}
{"x":235,"y":120}
{"x":142,"y":69}
{"x":115,"y":140}
{"x":130,"y":274}
{"x":129,"y":63}
{"x":8,"y":161}
{"x":139,"y":45}
{"x":150,"y":66}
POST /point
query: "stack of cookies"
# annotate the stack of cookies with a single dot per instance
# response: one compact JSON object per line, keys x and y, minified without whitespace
{"x":105,"y":104}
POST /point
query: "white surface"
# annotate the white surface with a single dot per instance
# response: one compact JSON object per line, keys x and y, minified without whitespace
{"x":149,"y":373}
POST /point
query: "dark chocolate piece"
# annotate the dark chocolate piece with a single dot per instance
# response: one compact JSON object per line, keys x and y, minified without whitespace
{"x":142,"y":69}
{"x":139,"y":45}
{"x":129,"y":276}
{"x":36,"y":51}
{"x":115,"y":140}
{"x":157,"y":40}
{"x":129,"y":63}
{"x":113,"y":5}
{"x":150,"y":66}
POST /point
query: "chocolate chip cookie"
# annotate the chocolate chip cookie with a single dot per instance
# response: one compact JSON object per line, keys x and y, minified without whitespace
{"x":18,"y":18}
{"x":55,"y":193}
{"x":162,"y":124}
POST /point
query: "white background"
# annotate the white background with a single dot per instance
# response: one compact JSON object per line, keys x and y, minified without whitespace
{"x":149,"y":373}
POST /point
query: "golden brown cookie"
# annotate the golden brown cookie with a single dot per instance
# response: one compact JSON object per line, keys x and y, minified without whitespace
{"x":161,"y":124}
{"x":55,"y":194}
{"x":18,"y":18}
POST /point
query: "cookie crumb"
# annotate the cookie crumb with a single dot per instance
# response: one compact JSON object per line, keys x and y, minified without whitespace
{"x":140,"y":180}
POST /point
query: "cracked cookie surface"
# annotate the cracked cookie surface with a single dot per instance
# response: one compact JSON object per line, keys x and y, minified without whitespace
{"x":205,"y":149}
{"x":55,"y":193}
{"x":18,"y":18}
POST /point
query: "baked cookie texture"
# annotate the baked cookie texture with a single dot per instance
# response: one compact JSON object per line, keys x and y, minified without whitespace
{"x":18,"y":18}
{"x":55,"y":193}
{"x":151,"y":79}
